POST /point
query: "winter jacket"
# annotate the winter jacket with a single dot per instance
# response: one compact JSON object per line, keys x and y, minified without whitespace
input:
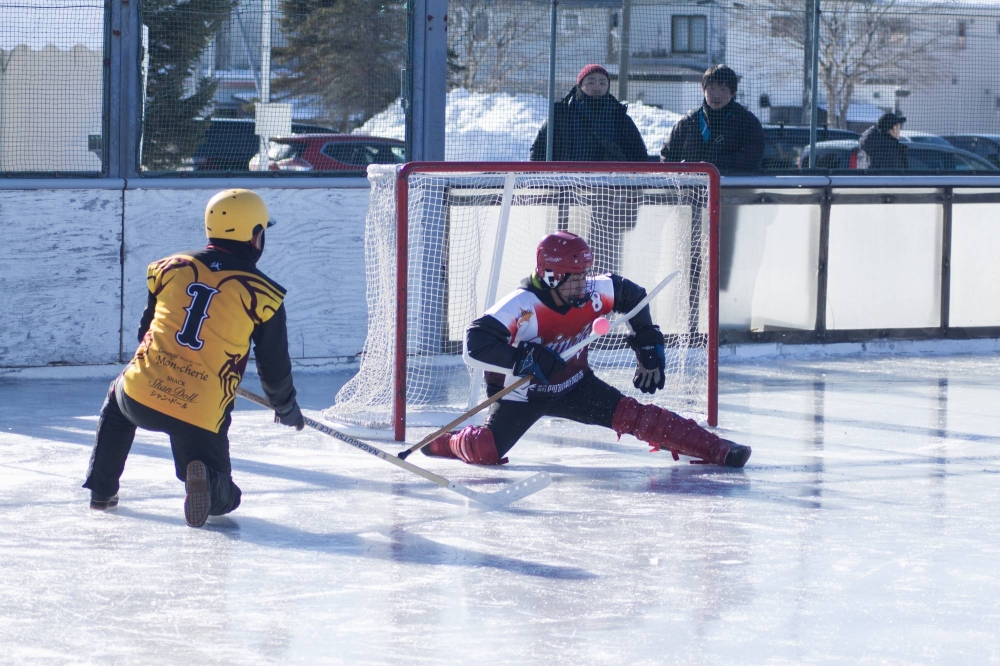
{"x":884,"y":151}
{"x":731,"y":138}
{"x":591,"y":129}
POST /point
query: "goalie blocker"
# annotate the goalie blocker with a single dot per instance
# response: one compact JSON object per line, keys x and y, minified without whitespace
{"x":525,"y":332}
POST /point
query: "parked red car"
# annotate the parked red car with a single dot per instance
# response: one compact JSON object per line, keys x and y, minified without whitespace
{"x":330,"y":152}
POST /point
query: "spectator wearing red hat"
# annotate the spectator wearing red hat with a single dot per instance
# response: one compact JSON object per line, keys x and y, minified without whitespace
{"x":592,"y":126}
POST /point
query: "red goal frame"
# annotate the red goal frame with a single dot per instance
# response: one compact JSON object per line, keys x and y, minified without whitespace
{"x":402,"y":254}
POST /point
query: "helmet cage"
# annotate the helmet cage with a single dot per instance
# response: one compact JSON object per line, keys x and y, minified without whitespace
{"x":560,"y":255}
{"x":555,"y":280}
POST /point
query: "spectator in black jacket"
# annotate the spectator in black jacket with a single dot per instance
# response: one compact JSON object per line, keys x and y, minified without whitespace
{"x":881,"y":145}
{"x":592,"y":126}
{"x":720,"y":131}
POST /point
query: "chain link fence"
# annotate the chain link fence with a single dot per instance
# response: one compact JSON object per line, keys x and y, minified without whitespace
{"x":299,"y":87}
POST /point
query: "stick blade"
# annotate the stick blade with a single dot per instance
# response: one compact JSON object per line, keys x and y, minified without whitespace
{"x":508,"y":495}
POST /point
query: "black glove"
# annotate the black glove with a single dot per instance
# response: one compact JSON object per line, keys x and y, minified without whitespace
{"x":531,"y":358}
{"x":647,"y":343}
{"x":290,"y":415}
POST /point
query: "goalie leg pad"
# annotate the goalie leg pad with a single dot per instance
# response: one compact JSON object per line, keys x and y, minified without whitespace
{"x":662,"y":429}
{"x":475,"y":445}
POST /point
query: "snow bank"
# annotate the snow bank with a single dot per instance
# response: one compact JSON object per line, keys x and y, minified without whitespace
{"x":501,"y":127}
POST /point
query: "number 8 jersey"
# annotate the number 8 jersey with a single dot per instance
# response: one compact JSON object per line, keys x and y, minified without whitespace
{"x":203,"y":310}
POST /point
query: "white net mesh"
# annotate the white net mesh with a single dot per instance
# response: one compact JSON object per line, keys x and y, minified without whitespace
{"x":472,"y":239}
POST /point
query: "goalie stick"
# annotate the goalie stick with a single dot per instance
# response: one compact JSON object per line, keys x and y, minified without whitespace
{"x":566,"y":355}
{"x":494,"y":500}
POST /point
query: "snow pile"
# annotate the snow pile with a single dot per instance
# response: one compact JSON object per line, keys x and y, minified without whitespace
{"x":499,"y":127}
{"x":654,"y":124}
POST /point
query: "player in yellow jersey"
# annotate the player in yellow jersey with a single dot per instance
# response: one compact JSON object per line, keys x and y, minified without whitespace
{"x":203,"y":310}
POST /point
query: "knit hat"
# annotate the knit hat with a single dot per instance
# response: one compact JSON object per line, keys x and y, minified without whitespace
{"x":590,"y":69}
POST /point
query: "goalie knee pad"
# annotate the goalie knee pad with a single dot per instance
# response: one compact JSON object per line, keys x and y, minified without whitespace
{"x":475,"y":445}
{"x":662,"y":429}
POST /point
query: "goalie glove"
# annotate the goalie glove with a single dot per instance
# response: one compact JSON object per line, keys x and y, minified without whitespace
{"x":531,"y":358}
{"x":647,"y":343}
{"x":290,"y":415}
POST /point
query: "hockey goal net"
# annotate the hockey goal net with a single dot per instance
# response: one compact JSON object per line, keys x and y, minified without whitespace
{"x":444,"y":241}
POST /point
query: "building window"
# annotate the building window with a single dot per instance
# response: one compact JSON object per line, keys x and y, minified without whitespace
{"x":481,"y":27}
{"x":961,"y":34}
{"x":899,"y":31}
{"x":570,"y":23}
{"x":787,"y":26}
{"x":689,"y":34}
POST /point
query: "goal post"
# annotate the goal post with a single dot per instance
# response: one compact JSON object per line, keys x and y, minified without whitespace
{"x":444,"y":240}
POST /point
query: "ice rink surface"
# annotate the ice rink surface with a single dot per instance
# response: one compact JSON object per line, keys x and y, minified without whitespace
{"x":864,"y":530}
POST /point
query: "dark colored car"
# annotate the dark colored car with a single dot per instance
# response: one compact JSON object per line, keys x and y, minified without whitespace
{"x":845,"y":155}
{"x":331,"y":152}
{"x":784,"y":144}
{"x":984,"y":145}
{"x":229,"y":143}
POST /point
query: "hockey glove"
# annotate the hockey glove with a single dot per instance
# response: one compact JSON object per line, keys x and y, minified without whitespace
{"x":290,"y":415}
{"x":531,"y":358}
{"x":647,"y":343}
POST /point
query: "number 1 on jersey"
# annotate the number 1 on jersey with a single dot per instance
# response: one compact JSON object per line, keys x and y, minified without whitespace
{"x":197,"y":313}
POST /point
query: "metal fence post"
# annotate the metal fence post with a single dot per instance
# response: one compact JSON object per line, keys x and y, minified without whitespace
{"x":946,"y":262}
{"x":550,"y":131}
{"x":625,"y":46}
{"x":823,"y":267}
{"x":815,"y":79}
{"x":429,"y":67}
{"x":124,"y":101}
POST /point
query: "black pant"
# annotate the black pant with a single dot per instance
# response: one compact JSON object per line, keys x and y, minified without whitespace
{"x":591,"y":401}
{"x":119,"y":418}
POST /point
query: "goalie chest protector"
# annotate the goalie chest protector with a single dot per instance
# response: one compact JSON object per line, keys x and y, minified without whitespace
{"x":530,"y":320}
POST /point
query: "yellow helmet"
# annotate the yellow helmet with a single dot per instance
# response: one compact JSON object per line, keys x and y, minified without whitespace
{"x":234,"y":214}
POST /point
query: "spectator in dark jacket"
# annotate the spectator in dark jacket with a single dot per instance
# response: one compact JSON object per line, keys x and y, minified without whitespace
{"x":720,"y":131}
{"x":591,"y":125}
{"x":881,"y":145}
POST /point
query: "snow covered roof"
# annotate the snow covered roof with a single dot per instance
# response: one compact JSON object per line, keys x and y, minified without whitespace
{"x":62,"y":24}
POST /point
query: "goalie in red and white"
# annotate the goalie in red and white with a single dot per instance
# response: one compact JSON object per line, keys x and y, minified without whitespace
{"x":524,"y":334}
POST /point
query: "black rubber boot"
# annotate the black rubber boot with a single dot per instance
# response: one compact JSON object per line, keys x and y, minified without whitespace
{"x":103,"y":502}
{"x":198,"y":501}
{"x":738,"y":454}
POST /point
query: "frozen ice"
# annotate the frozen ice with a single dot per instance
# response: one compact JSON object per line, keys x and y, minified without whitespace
{"x":863,"y":530}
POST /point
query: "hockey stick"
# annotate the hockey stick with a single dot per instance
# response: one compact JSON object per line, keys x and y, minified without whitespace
{"x":494,"y":500}
{"x":566,"y":355}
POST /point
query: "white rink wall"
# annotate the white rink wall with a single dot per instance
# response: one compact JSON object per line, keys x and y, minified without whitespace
{"x":66,"y":298}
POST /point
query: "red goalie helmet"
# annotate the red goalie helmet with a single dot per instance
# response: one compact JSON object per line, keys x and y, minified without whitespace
{"x":561,"y":254}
